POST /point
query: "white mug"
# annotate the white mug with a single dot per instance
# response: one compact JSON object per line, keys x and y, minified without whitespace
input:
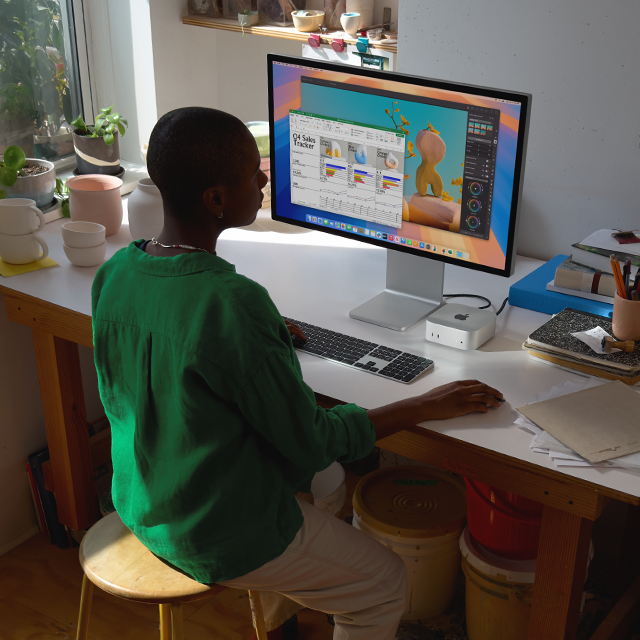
{"x":22,"y":249}
{"x":19,"y":216}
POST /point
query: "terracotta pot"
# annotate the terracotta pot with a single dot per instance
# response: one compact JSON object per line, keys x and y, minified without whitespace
{"x":96,"y":198}
{"x":95,"y":156}
{"x":146,"y":213}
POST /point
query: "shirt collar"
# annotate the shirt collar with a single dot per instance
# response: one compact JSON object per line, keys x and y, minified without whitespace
{"x":180,"y":265}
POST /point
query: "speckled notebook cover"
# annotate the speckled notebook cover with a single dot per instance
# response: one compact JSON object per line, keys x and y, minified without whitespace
{"x":556,"y":336}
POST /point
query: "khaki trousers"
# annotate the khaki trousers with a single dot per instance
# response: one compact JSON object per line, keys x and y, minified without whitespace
{"x":332,"y":567}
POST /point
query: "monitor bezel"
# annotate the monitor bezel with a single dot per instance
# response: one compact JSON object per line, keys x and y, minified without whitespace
{"x":404,"y":78}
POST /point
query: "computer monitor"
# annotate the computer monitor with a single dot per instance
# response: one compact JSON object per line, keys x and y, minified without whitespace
{"x":431,"y":170}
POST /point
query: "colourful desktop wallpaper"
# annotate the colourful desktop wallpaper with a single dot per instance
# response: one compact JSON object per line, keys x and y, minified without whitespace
{"x":289,"y":94}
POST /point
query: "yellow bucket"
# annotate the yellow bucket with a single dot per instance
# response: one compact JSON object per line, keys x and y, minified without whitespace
{"x":499,"y":592}
{"x":417,"y":512}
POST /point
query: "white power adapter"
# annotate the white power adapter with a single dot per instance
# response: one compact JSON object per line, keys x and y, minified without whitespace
{"x":460,"y":326}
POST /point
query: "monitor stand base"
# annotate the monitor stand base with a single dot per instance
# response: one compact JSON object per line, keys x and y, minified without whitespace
{"x":413,"y":291}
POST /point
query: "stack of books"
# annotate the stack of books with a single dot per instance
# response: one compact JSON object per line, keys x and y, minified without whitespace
{"x":595,"y":251}
{"x":553,"y":343}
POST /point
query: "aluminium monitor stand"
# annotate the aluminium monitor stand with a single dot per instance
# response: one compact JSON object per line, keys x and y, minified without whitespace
{"x":413,"y":291}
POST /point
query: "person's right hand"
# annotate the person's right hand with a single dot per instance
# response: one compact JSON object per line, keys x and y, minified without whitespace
{"x":448,"y":401}
{"x":458,"y":399}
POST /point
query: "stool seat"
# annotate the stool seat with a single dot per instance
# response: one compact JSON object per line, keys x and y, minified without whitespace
{"x":118,"y":563}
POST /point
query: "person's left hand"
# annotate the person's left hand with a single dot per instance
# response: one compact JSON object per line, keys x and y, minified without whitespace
{"x":295,"y":330}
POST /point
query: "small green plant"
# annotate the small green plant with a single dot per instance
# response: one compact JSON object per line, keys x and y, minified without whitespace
{"x":247,"y":12}
{"x":61,"y":194}
{"x":105,"y":126}
{"x":10,"y":167}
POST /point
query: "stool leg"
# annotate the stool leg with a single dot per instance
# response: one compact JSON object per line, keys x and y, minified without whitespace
{"x":177,"y":627}
{"x":165,"y":622}
{"x":258,"y":616}
{"x":85,"y":608}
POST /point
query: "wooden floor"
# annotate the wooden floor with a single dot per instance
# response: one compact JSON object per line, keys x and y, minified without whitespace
{"x":40,"y":595}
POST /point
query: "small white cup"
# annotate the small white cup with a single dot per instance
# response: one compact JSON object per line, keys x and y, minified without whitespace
{"x":86,"y":256}
{"x":82,"y":234}
{"x":22,"y":249}
{"x":19,"y":216}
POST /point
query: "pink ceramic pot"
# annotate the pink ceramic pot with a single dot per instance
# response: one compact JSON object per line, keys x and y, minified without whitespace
{"x":96,"y":198}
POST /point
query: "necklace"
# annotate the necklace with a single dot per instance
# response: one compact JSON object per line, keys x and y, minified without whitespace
{"x":180,"y":246}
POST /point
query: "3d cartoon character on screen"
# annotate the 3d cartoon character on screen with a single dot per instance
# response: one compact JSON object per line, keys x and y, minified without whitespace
{"x":436,"y":209}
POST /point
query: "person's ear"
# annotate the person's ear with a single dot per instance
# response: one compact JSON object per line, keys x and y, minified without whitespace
{"x":213,"y":200}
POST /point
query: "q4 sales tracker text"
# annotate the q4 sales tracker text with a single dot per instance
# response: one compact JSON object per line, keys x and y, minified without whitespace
{"x":347,"y":167}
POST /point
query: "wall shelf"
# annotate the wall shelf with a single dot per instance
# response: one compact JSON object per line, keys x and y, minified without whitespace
{"x":287,"y":33}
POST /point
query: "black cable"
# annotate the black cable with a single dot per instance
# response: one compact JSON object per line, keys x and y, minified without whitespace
{"x":504,"y":304}
{"x":468,"y":295}
{"x":473,"y":295}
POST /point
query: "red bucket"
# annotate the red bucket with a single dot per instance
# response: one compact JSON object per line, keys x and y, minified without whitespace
{"x":502,"y":522}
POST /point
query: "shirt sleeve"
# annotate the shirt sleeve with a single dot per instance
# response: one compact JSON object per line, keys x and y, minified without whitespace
{"x":283,"y":409}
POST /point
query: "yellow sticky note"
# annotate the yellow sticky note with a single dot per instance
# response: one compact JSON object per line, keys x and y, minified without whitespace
{"x":7,"y":269}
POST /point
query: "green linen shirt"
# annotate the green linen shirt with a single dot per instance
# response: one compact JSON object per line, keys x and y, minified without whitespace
{"x":213,"y":427}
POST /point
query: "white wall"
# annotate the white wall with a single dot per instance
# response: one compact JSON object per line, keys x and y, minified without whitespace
{"x":579,"y":59}
{"x":195,"y":66}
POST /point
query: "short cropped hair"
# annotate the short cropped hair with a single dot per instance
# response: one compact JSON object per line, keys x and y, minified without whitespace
{"x":192,"y":149}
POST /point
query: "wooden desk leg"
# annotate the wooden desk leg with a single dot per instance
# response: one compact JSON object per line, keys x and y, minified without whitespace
{"x":560,"y":575}
{"x":66,"y":423}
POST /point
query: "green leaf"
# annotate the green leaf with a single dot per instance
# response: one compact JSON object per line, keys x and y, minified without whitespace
{"x":107,"y":111}
{"x":59,"y":186}
{"x":14,"y":158}
{"x":8,"y":176}
{"x":108,"y":139}
{"x":121,"y":128}
{"x":114,"y":118}
{"x":124,"y":121}
{"x":66,"y":212}
{"x":67,"y":107}
{"x":78,"y":123}
{"x":98,"y":127}
{"x":110,"y":128}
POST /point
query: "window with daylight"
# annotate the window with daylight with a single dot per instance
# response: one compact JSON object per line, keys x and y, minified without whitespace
{"x":39,"y":81}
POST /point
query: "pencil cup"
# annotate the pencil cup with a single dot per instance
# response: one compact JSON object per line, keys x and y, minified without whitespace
{"x":626,"y":318}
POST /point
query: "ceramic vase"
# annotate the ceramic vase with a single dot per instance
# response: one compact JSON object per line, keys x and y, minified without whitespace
{"x":350,"y":23}
{"x":364,"y":8}
{"x":96,"y":198}
{"x":146,"y":214}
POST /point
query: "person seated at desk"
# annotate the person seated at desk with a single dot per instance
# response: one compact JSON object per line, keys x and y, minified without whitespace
{"x":214,"y":429}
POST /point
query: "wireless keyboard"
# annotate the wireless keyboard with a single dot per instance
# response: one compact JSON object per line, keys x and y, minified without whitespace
{"x":360,"y":354}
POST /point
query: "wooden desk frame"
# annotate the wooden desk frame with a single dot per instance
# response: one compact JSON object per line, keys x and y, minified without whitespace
{"x":571,"y":505}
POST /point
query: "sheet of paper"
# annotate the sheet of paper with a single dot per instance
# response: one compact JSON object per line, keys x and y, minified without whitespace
{"x":603,"y":240}
{"x":598,"y":423}
{"x":593,"y":338}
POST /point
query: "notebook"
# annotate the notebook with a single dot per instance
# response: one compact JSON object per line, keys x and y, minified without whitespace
{"x":599,"y":423}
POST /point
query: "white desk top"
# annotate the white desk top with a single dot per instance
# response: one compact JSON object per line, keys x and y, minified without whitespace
{"x":317,"y":278}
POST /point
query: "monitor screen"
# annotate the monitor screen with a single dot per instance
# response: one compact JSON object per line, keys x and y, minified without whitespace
{"x":422,"y":166}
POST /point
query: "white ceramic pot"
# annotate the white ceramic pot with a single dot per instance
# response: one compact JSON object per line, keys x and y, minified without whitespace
{"x":350,"y":23}
{"x":82,"y":234}
{"x":146,"y":214}
{"x":364,"y":8}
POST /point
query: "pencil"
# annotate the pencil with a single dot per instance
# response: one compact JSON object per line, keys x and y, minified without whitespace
{"x":627,"y":276}
{"x":615,"y":267}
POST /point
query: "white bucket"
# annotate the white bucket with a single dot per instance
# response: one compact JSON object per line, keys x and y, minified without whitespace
{"x":329,"y":489}
{"x":432,"y":568}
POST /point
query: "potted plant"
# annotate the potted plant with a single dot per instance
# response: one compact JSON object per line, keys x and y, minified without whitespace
{"x":27,"y":177}
{"x":248,"y":18}
{"x":96,"y":146}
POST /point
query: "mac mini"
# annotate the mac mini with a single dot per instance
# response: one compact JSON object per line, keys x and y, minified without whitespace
{"x":460,"y":326}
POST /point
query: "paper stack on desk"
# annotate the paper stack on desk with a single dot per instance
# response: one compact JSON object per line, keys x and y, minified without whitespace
{"x":562,"y":455}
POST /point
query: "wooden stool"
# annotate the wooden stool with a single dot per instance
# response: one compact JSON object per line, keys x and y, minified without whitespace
{"x":116,"y":561}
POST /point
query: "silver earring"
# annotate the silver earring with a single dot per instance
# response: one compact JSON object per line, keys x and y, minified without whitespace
{"x":220,"y":215}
